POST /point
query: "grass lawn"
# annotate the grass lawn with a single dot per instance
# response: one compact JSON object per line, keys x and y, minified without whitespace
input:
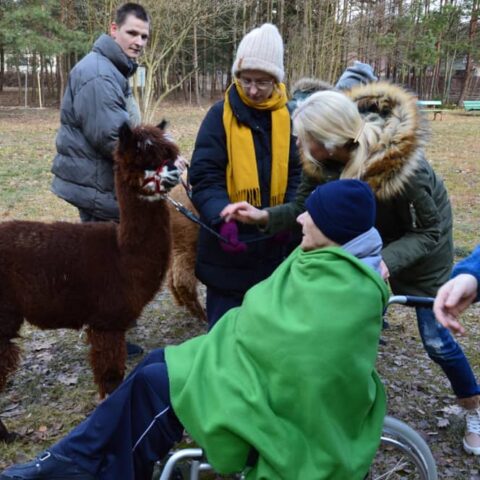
{"x":53,"y":388}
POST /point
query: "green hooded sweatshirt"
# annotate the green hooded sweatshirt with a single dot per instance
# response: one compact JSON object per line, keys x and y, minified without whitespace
{"x":290,"y":373}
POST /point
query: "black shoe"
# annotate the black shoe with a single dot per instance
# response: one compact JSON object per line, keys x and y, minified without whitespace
{"x":133,"y":350}
{"x":47,"y":466}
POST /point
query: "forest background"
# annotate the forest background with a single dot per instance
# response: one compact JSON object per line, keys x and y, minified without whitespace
{"x":430,"y":46}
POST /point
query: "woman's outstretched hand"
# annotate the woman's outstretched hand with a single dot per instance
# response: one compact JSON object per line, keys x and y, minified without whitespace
{"x":245,"y":213}
{"x":453,"y":299}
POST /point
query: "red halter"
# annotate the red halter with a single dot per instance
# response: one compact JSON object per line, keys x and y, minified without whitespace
{"x":156,"y":179}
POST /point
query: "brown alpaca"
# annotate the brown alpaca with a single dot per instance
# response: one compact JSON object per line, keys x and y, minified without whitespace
{"x":182,"y":281}
{"x":93,"y":275}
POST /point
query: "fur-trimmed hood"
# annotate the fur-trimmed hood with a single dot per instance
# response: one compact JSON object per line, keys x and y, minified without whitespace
{"x":404,"y":131}
{"x":303,"y":88}
{"x":310,"y":85}
{"x":393,"y":161}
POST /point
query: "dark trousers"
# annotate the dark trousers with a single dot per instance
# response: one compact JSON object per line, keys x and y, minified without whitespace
{"x":130,"y":430}
{"x":86,"y":217}
{"x":219,"y":302}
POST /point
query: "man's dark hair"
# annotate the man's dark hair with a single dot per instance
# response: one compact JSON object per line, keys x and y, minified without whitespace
{"x":130,"y":9}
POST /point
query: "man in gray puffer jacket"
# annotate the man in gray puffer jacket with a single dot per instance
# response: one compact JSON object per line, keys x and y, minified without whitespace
{"x":97,"y":101}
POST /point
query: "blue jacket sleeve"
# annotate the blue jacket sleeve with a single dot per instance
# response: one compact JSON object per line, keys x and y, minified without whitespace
{"x":471,"y":265}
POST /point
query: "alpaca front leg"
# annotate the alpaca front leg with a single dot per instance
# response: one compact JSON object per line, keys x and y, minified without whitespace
{"x":5,"y":435}
{"x":183,"y":285}
{"x":9,"y":360}
{"x":108,"y":354}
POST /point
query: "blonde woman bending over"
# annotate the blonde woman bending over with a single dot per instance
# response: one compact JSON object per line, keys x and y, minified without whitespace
{"x":376,"y":133}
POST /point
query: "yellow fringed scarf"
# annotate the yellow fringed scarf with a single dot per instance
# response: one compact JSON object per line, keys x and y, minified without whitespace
{"x":242,"y":174}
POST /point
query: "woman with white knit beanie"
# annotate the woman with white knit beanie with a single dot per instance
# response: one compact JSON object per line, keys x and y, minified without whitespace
{"x":244,"y":151}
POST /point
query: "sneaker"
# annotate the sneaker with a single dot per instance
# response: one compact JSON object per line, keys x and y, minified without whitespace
{"x":47,"y":466}
{"x":471,"y":440}
{"x":133,"y":350}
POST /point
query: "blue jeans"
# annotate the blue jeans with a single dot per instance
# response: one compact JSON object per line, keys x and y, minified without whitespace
{"x":447,"y":353}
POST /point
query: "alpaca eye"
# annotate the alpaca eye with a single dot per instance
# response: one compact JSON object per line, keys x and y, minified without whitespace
{"x":143,"y":146}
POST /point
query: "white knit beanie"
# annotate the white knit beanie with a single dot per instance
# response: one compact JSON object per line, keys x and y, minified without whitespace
{"x":261,"y":49}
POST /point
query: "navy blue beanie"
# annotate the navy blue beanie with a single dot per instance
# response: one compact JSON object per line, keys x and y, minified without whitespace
{"x":342,"y":209}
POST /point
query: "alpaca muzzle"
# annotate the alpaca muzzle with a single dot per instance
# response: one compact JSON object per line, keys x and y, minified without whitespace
{"x":161,"y":180}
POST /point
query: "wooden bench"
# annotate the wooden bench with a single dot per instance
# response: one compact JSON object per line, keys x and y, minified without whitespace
{"x":471,"y":105}
{"x":431,"y":106}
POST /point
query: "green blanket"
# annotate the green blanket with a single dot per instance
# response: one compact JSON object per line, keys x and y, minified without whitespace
{"x":289,"y":373}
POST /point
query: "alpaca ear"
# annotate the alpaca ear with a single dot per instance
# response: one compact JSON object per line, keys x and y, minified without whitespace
{"x":124,"y":133}
{"x":162,"y":125}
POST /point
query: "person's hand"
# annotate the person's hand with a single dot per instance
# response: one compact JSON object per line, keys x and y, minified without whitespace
{"x":384,"y":272}
{"x":245,"y":213}
{"x":181,"y":163}
{"x":453,"y":298}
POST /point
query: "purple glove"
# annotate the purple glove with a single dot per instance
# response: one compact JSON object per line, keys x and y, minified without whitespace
{"x":229,"y":230}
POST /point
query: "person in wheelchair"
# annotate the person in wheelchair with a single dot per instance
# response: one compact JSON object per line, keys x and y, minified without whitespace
{"x":282,"y":387}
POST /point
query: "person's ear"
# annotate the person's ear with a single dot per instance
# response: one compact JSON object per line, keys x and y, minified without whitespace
{"x":113,"y":29}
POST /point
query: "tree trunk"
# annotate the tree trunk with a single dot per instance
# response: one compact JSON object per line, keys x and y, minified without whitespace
{"x":195,"y":65}
{"x":26,"y":86}
{"x":39,"y":82}
{"x":281,"y":17}
{"x":2,"y":67}
{"x":472,"y":33}
{"x":33,"y":87}
{"x":19,"y":83}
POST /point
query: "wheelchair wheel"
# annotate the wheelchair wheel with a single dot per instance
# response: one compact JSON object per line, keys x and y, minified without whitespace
{"x":403,"y":454}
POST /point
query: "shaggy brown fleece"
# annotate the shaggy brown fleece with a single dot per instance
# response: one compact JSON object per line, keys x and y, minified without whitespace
{"x":98,"y":275}
{"x":182,"y":281}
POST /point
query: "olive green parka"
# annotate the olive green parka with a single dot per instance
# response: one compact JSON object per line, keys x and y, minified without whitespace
{"x":414,"y":214}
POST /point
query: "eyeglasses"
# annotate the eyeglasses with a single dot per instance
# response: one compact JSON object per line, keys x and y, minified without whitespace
{"x":260,"y":84}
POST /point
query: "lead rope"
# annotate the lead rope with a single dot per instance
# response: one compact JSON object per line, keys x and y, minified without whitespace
{"x":179,"y":207}
{"x":191,"y":216}
{"x":156,"y":179}
{"x":186,"y":184}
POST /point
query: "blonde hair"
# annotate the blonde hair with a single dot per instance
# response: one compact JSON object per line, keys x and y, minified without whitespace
{"x":332,"y":119}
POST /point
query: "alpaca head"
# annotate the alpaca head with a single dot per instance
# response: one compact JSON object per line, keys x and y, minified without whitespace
{"x":145,"y":160}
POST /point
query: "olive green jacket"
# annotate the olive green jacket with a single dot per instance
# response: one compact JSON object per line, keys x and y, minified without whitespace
{"x":414,"y":214}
